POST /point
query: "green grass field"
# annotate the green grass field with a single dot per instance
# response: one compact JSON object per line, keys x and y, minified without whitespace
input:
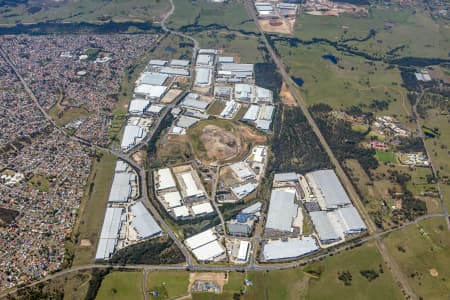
{"x":231,"y":14}
{"x":245,"y":47}
{"x":388,"y":157}
{"x":169,"y":284}
{"x":420,"y":249}
{"x":414,"y":28}
{"x":121,"y":286}
{"x":93,"y":207}
{"x":85,"y":10}
{"x":62,"y":117}
{"x":352,"y":81}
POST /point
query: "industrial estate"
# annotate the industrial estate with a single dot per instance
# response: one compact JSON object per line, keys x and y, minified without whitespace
{"x":224,"y":149}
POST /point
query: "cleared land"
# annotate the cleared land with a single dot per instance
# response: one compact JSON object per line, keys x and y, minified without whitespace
{"x":422,"y":253}
{"x":34,"y":11}
{"x":92,"y":208}
{"x":121,"y":286}
{"x":221,"y":140}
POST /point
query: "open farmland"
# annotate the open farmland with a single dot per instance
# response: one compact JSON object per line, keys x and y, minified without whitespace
{"x":193,"y":15}
{"x":121,"y":286}
{"x":422,"y":254}
{"x":33,"y":11}
{"x":410,"y":28}
{"x":169,"y":284}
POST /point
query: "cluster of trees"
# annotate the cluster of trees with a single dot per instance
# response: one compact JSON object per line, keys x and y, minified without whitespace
{"x":267,"y":77}
{"x":412,"y":207}
{"x":39,"y":291}
{"x":152,"y":252}
{"x":295,"y":146}
{"x":97,"y":277}
{"x":344,"y":141}
{"x":80,"y":27}
{"x":7,"y":216}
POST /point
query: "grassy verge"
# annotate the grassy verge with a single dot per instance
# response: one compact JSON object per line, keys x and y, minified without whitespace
{"x":168,"y":284}
{"x":92,"y":208}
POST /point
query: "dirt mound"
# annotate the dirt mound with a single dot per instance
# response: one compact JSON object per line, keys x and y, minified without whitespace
{"x":434,"y":272}
{"x":219,"y":143}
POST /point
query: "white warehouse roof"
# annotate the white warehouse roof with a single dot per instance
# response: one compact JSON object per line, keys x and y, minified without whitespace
{"x":152,"y":78}
{"x":242,"y":170}
{"x":282,"y":211}
{"x":150,"y":91}
{"x":244,"y":247}
{"x":243,"y":190}
{"x":190,"y":185}
{"x":202,"y":76}
{"x":174,"y":71}
{"x":165,"y":179}
{"x":200,"y":239}
{"x":252,"y":113}
{"x":325,"y":229}
{"x":283,"y":177}
{"x":203,"y":208}
{"x":205,"y":59}
{"x":350,"y":220}
{"x":292,"y":248}
{"x":181,"y":211}
{"x":173,"y":199}
{"x":179,"y":62}
{"x":110,"y":233}
{"x":209,"y":251}
{"x":143,"y":222}
{"x":328,"y":189}
{"x":132,"y":135}
{"x":137,"y":106}
{"x":121,"y":187}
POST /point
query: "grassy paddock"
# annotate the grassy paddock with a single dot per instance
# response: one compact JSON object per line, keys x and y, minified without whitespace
{"x":420,"y":250}
{"x":388,"y":157}
{"x":85,"y":11}
{"x":121,"y":286}
{"x":169,"y":284}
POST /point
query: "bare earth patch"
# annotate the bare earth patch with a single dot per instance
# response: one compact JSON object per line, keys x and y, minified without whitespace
{"x":434,"y":272}
{"x":85,"y":243}
{"x":279,"y":26}
{"x":286,"y":96}
{"x":219,"y":278}
{"x":219,"y":143}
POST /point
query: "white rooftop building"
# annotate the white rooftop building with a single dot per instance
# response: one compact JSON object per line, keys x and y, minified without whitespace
{"x":200,"y":239}
{"x":138,"y":106}
{"x":209,"y":251}
{"x":243,"y":190}
{"x":244,"y":248}
{"x":173,"y":199}
{"x":112,"y":223}
{"x":252,"y":113}
{"x":282,"y":211}
{"x":181,"y":211}
{"x":289,"y":249}
{"x":144,"y":223}
{"x":242,"y":170}
{"x":328,"y":189}
{"x":151,"y":92}
{"x":325,"y":229}
{"x":202,"y":209}
{"x":191,"y":188}
{"x":203,"y":77}
{"x":164,"y":179}
{"x":121,"y":187}
{"x":132,"y":135}
{"x":152,"y":78}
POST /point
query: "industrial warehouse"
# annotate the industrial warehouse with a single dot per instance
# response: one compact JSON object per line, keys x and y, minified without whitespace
{"x":321,"y":195}
{"x":126,"y":221}
{"x":206,"y":247}
{"x":181,"y":193}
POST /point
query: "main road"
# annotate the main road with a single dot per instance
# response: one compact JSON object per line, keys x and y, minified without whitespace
{"x":398,"y":275}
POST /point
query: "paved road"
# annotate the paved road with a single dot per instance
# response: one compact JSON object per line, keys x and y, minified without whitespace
{"x":398,"y":275}
{"x":433,"y":168}
{"x":226,"y":268}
